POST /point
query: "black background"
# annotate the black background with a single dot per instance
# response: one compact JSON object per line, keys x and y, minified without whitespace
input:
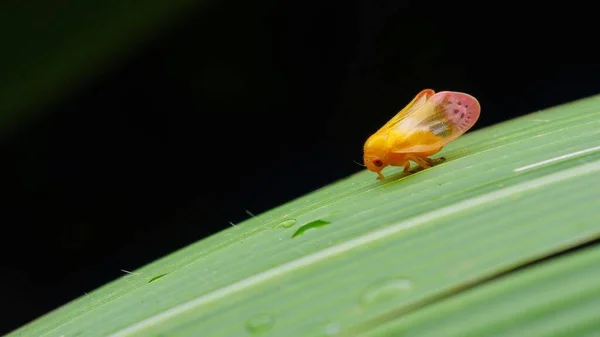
{"x":244,"y":106}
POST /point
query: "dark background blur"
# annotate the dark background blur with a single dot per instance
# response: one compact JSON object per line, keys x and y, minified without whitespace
{"x":117,"y":149}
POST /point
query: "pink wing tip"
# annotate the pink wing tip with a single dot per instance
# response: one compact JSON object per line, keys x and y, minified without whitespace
{"x":460,"y":109}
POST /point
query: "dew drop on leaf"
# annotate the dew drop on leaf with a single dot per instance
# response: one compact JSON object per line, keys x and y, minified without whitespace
{"x":332,"y":329}
{"x":384,"y":290}
{"x":260,"y":323}
{"x":286,"y":224}
{"x":309,"y":226}
{"x":157,"y":277}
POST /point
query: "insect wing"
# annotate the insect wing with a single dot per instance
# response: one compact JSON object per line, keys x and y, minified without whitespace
{"x":441,"y":119}
{"x":417,"y":102}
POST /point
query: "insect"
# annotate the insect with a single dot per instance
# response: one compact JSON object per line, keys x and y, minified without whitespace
{"x":428,"y":123}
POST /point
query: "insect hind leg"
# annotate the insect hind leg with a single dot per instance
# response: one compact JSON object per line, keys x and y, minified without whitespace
{"x":426,"y":162}
{"x":434,"y":161}
{"x":422,"y":162}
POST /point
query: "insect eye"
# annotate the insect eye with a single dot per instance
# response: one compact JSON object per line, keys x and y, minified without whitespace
{"x":377,"y":162}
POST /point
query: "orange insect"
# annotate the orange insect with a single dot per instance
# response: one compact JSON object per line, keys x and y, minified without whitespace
{"x":421,"y":129}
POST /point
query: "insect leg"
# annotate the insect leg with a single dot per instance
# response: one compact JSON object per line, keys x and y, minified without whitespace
{"x":407,"y":166}
{"x":420,"y":161}
{"x":433,"y":161}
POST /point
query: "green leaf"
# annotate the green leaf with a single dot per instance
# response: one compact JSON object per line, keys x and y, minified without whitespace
{"x":401,"y":255}
{"x":558,"y":298}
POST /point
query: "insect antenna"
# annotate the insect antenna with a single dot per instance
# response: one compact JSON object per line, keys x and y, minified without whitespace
{"x":358,"y":163}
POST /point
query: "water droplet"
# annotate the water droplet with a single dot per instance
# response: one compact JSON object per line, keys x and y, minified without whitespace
{"x":260,"y":323}
{"x":286,"y":224}
{"x":384,"y":290}
{"x":311,"y":225}
{"x":332,"y":329}
{"x":157,"y":277}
